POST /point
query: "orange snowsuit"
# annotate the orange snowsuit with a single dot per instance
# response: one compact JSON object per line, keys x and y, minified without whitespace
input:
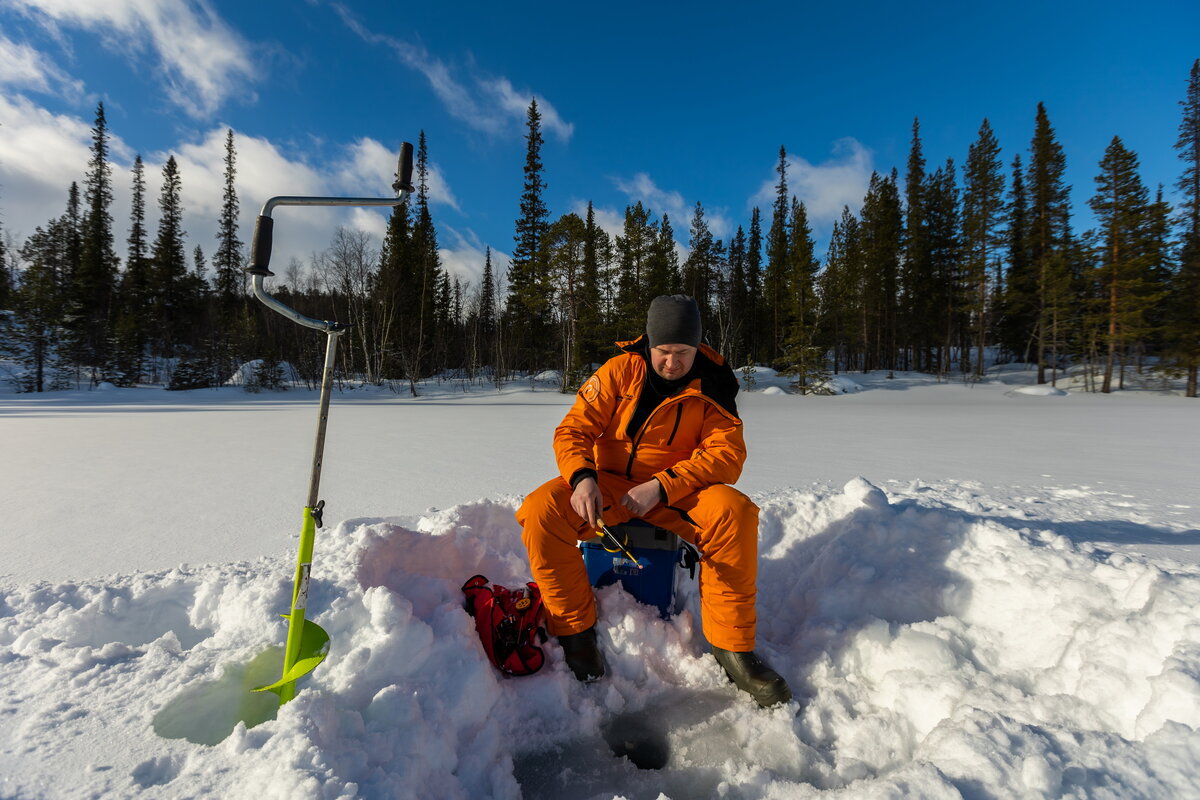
{"x":692,"y":443}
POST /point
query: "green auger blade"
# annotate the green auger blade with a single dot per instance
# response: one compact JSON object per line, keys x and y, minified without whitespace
{"x":314,"y":646}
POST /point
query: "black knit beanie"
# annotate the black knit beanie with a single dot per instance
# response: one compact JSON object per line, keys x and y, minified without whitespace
{"x":673,"y":319}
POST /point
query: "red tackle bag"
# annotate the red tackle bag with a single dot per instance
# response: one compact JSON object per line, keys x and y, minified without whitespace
{"x":510,"y":623}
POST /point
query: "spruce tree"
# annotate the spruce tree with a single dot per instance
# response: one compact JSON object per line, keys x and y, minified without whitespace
{"x":486,"y":326}
{"x":1018,"y":317}
{"x":775,"y":286}
{"x":132,"y":328}
{"x":227,"y":261}
{"x":842,"y":315}
{"x":945,"y":290}
{"x":741,"y":335}
{"x":95,"y":277}
{"x":566,"y":245}
{"x":983,"y":208}
{"x":1121,"y":205}
{"x":528,"y":309}
{"x":169,"y":263}
{"x":39,"y":306}
{"x":1049,"y":234}
{"x":6,"y":280}
{"x":918,"y":306}
{"x":634,"y":253}
{"x":1183,"y":311}
{"x":418,"y":330}
{"x":395,"y":300}
{"x":881,"y":237}
{"x":755,"y":341}
{"x":593,"y":342}
{"x":700,"y":268}
{"x":661,"y":269}
{"x":805,"y":360}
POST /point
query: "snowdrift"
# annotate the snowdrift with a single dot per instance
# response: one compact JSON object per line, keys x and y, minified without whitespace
{"x":933,"y":652}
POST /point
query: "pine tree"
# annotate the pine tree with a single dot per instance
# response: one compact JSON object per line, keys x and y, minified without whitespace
{"x":485,"y":336}
{"x":137,"y":216}
{"x":170,"y":265}
{"x":918,"y":306}
{"x":528,"y":309}
{"x":634,"y":251}
{"x":1183,"y":312}
{"x":1049,"y":234}
{"x":943,"y":237}
{"x":1018,"y":319}
{"x":6,"y":280}
{"x":700,"y":268}
{"x":741,"y":335}
{"x":1121,"y":207}
{"x":592,"y":340}
{"x":983,"y":207}
{"x":775,"y":288}
{"x":418,"y":329}
{"x":227,"y":261}
{"x":806,"y":361}
{"x":881,"y":234}
{"x":38,"y":306}
{"x":841,"y":293}
{"x":566,"y":245}
{"x":396,"y":300}
{"x":755,"y":341}
{"x":662,"y":264}
{"x":95,"y":278}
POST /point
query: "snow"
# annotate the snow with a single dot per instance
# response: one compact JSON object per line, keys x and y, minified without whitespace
{"x":973,"y":592}
{"x":1040,"y":391}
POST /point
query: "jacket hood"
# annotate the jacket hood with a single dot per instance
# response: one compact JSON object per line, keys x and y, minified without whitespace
{"x":717,"y":381}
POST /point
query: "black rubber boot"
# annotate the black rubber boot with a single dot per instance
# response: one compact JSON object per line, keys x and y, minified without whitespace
{"x":753,"y":676}
{"x":583,"y":655}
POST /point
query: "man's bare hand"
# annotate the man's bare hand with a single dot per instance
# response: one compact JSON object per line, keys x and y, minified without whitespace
{"x":642,"y":498}
{"x":586,"y":500}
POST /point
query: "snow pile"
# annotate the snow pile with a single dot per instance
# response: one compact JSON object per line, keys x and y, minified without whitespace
{"x":934,"y":652}
{"x":247,"y":373}
{"x":840,"y":384}
{"x":1044,"y":390}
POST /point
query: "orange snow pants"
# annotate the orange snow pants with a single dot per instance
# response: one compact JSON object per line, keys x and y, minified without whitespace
{"x":719,"y":520}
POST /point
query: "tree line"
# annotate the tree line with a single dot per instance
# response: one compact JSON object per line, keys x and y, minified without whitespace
{"x":944,"y":271}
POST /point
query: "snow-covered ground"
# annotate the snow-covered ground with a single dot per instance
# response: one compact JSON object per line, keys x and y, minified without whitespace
{"x":974,"y":592}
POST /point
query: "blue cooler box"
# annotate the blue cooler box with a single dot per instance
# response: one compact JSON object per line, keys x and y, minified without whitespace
{"x":656,"y":549}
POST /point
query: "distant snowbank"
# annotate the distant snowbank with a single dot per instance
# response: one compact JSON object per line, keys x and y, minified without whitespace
{"x":933,"y":652}
{"x":1043,"y":390}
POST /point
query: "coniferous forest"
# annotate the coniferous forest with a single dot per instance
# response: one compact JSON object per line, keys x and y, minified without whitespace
{"x":945,"y":269}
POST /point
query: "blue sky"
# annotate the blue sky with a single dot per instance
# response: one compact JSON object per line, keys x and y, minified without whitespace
{"x":664,"y":103}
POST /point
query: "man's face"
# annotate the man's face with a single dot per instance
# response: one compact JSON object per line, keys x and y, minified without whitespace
{"x":672,"y":361}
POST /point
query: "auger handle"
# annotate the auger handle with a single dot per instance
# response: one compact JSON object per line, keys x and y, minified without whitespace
{"x":264,"y":228}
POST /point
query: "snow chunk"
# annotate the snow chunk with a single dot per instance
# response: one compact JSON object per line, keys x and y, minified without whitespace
{"x":1044,"y":390}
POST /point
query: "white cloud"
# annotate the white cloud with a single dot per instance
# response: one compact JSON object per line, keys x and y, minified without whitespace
{"x":464,"y":256}
{"x":41,"y":153}
{"x":203,"y":60}
{"x":487,"y":104}
{"x":516,"y":105}
{"x":642,"y":187}
{"x":826,"y":187}
{"x":23,"y":67}
{"x":612,"y":222}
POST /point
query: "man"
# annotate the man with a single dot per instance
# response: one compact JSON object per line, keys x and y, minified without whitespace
{"x":654,"y":434}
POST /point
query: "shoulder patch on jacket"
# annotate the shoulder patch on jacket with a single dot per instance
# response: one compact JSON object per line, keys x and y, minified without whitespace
{"x":590,"y":390}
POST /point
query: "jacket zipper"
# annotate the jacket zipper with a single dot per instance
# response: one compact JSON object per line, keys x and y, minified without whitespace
{"x":677,"y":400}
{"x":678,"y":416}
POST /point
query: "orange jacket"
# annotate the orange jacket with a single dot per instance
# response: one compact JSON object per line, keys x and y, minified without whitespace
{"x":691,"y":440}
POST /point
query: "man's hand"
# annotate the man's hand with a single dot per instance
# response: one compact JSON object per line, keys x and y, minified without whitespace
{"x":642,"y":498}
{"x":586,"y":500}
